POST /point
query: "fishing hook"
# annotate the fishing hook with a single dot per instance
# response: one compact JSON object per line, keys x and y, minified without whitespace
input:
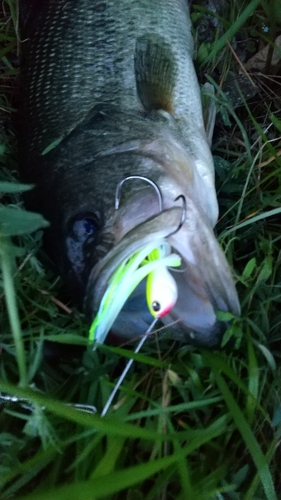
{"x":159,"y":195}
{"x":152,"y":183}
{"x":183,"y":215}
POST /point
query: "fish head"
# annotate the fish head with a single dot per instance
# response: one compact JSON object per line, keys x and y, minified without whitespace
{"x":75,"y":189}
{"x":76,"y":185}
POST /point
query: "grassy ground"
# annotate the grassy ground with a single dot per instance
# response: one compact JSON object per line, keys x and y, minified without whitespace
{"x":187,"y":423}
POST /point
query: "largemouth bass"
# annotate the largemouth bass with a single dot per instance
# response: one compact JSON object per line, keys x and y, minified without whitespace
{"x":110,"y":91}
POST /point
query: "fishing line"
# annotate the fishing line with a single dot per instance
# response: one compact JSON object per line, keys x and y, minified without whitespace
{"x":127,"y":367}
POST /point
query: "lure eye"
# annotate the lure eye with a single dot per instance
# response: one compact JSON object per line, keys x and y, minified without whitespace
{"x":156,"y":306}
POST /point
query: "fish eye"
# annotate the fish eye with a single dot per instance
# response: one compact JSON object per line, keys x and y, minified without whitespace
{"x":84,"y":225}
{"x":156,"y":306}
{"x":82,"y":230}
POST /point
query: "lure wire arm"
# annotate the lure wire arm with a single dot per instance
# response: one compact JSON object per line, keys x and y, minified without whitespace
{"x":127,"y":368}
{"x":140,"y":177}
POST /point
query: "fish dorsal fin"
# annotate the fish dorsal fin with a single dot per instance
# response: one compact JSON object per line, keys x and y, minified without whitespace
{"x":155,"y":72}
{"x":209,"y":109}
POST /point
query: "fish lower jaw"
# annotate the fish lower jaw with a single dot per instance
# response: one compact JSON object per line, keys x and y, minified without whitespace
{"x":204,"y":336}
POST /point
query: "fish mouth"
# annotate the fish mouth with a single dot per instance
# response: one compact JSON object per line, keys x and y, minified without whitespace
{"x":204,"y":280}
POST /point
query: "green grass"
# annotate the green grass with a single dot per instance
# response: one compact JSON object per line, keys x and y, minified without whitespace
{"x":187,"y":423}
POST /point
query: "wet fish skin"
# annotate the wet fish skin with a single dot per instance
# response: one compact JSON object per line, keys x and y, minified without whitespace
{"x":115,"y":82}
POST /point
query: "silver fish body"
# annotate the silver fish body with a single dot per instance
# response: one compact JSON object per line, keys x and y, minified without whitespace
{"x":111,"y":84}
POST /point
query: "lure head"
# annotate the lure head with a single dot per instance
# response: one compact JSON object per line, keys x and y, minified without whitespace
{"x":161,"y":292}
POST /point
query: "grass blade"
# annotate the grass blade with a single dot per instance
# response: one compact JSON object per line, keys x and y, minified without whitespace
{"x":242,"y":425}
